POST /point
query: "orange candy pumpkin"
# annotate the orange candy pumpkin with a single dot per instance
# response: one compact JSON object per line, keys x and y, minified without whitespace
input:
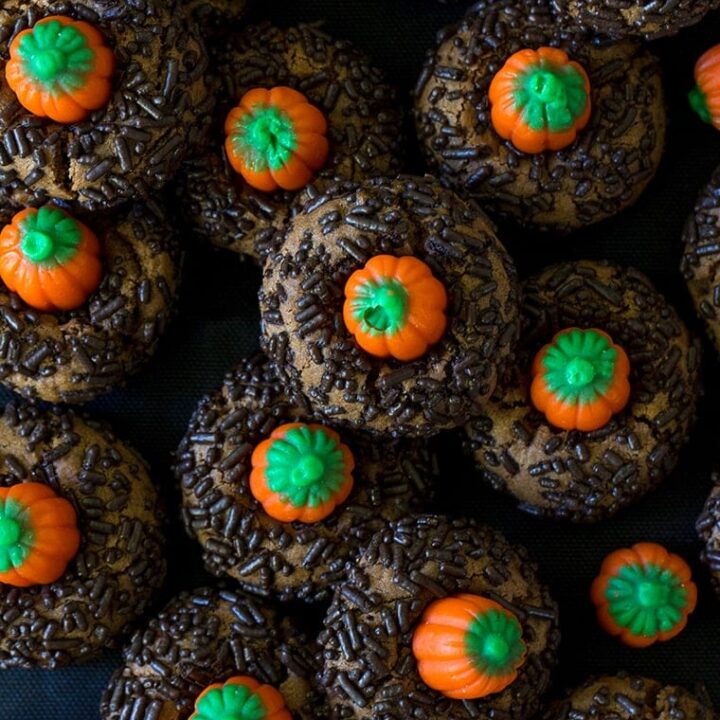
{"x":644,"y":594}
{"x":38,"y":535}
{"x":60,"y":68}
{"x":540,"y":100}
{"x":580,"y":379}
{"x":467,"y":647}
{"x":705,"y":96}
{"x":276,"y":139}
{"x":51,"y":260}
{"x":301,"y":473}
{"x":395,"y":307}
{"x":240,"y":698}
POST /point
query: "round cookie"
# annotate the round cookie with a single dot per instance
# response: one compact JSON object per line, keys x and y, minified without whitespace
{"x":603,"y":171}
{"x":301,"y":304}
{"x":708,"y":527}
{"x":120,"y":562}
{"x":365,"y":130}
{"x":72,"y":356}
{"x":701,"y":256}
{"x":634,"y":17}
{"x":588,"y":476}
{"x":133,"y":145}
{"x":369,"y":665}
{"x":205,"y":637}
{"x":266,"y":556}
{"x":627,"y":697}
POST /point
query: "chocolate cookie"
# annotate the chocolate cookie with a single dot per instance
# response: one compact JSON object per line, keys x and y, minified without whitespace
{"x":580,"y":475}
{"x":71,"y":355}
{"x":205,"y":637}
{"x":397,"y":373}
{"x":699,"y":264}
{"x":371,"y":631}
{"x":239,"y":538}
{"x":364,"y":119}
{"x":611,"y":105}
{"x":633,"y":17}
{"x":132,"y":139}
{"x":216,"y":12}
{"x":81,"y":546}
{"x":627,"y":697}
{"x":708,"y":527}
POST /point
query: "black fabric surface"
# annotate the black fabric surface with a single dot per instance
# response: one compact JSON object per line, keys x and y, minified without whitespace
{"x":218,"y":324}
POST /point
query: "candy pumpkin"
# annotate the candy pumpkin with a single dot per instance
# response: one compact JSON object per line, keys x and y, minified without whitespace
{"x":395,"y":307}
{"x":467,"y":647}
{"x":60,"y":68}
{"x":38,"y":535}
{"x":644,"y":594}
{"x":276,"y":139}
{"x":301,"y":473}
{"x":705,"y":96}
{"x":580,"y":379}
{"x":240,"y":698}
{"x":540,"y":100}
{"x":51,"y":260}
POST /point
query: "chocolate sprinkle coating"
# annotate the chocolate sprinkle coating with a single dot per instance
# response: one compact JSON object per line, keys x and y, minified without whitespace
{"x":708,"y":528}
{"x":120,"y":564}
{"x":132,"y":147}
{"x":73,"y":356}
{"x":369,"y":670}
{"x":365,"y":130}
{"x":302,"y":296}
{"x":628,"y":697}
{"x":604,"y":171}
{"x":268,"y":557}
{"x":215,"y":12}
{"x":579,"y":476}
{"x":204,"y":637}
{"x":701,"y":248}
{"x":622,"y":18}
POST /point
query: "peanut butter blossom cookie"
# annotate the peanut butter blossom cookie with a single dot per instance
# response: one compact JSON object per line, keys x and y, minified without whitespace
{"x":444,"y":619}
{"x":103,"y":100}
{"x":81,"y":546}
{"x":280,"y":502}
{"x":623,"y":18}
{"x":644,"y":595}
{"x":553,"y":128}
{"x":83,"y":302}
{"x":708,"y":527}
{"x":599,"y":403}
{"x":216,"y":655}
{"x":391,"y":306}
{"x":627,"y":697}
{"x":296,"y":108}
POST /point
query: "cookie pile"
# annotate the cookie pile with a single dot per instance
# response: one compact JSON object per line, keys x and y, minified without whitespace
{"x":392,"y":318}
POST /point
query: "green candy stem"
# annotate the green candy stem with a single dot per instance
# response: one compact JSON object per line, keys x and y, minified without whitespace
{"x":306,"y":466}
{"x":381,"y":307}
{"x":16,"y":538}
{"x":266,"y":138}
{"x":579,"y":366}
{"x":10,"y":532}
{"x":551,"y":97}
{"x":230,"y":702}
{"x":49,"y":237}
{"x":698,"y":102}
{"x":494,"y":643}
{"x":646,"y":599}
{"x":57,"y":56}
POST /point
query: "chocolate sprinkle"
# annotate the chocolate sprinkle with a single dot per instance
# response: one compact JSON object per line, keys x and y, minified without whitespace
{"x":365,"y":129}
{"x":604,"y":171}
{"x":120,"y":564}
{"x":317,"y":357}
{"x":586,"y":477}
{"x":289,"y":560}
{"x":204,"y":637}
{"x":407,"y":565}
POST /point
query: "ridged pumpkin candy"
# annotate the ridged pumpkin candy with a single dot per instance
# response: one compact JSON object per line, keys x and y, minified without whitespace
{"x":240,"y":698}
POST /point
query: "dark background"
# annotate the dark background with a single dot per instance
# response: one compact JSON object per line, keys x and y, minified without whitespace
{"x":218,"y":324}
